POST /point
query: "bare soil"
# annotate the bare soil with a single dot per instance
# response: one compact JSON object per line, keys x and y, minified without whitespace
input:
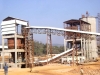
{"x":92,"y":68}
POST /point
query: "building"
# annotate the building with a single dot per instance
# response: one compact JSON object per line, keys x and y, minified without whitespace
{"x":11,"y":30}
{"x":92,"y":20}
{"x":85,"y":44}
{"x":19,"y":37}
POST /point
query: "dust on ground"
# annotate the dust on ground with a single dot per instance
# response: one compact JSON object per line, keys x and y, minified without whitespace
{"x":92,"y":68}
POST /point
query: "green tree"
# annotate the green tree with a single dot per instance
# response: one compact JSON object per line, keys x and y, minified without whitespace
{"x":40,"y":49}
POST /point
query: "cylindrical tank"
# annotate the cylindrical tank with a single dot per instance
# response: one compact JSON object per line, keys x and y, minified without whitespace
{"x":11,"y":43}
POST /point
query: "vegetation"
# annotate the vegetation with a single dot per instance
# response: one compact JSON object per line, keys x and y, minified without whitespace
{"x":40,"y":49}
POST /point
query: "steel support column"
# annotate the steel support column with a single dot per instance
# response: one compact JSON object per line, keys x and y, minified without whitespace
{"x":25,"y":34}
{"x":26,"y":51}
{"x":49,"y":45}
{"x":82,"y":48}
{"x":65,"y":37}
{"x":30,"y":49}
{"x":74,"y":50}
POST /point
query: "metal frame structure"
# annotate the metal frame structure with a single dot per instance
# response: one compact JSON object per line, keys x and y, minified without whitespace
{"x":29,"y":47}
{"x":80,"y":25}
{"x":60,"y":32}
{"x":69,"y":33}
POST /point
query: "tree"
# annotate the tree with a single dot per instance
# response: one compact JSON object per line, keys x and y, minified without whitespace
{"x":40,"y":49}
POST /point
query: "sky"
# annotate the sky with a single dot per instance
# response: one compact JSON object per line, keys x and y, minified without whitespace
{"x":50,"y":13}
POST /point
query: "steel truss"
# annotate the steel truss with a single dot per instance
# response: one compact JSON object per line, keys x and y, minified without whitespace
{"x":29,"y":50}
{"x":25,"y":34}
{"x":47,"y":31}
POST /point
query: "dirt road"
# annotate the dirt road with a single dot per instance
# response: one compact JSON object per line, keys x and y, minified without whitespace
{"x":55,"y":69}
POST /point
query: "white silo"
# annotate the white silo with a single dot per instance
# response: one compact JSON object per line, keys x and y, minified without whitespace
{"x":93,"y":47}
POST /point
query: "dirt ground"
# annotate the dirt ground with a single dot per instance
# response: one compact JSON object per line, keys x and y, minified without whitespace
{"x":92,"y":68}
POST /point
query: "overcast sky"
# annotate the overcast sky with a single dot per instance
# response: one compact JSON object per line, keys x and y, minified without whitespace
{"x":48,"y":12}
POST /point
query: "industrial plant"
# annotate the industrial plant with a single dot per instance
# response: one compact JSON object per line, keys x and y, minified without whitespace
{"x":80,"y":41}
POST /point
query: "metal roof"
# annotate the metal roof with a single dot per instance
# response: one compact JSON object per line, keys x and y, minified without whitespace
{"x":12,"y":18}
{"x":75,"y":21}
